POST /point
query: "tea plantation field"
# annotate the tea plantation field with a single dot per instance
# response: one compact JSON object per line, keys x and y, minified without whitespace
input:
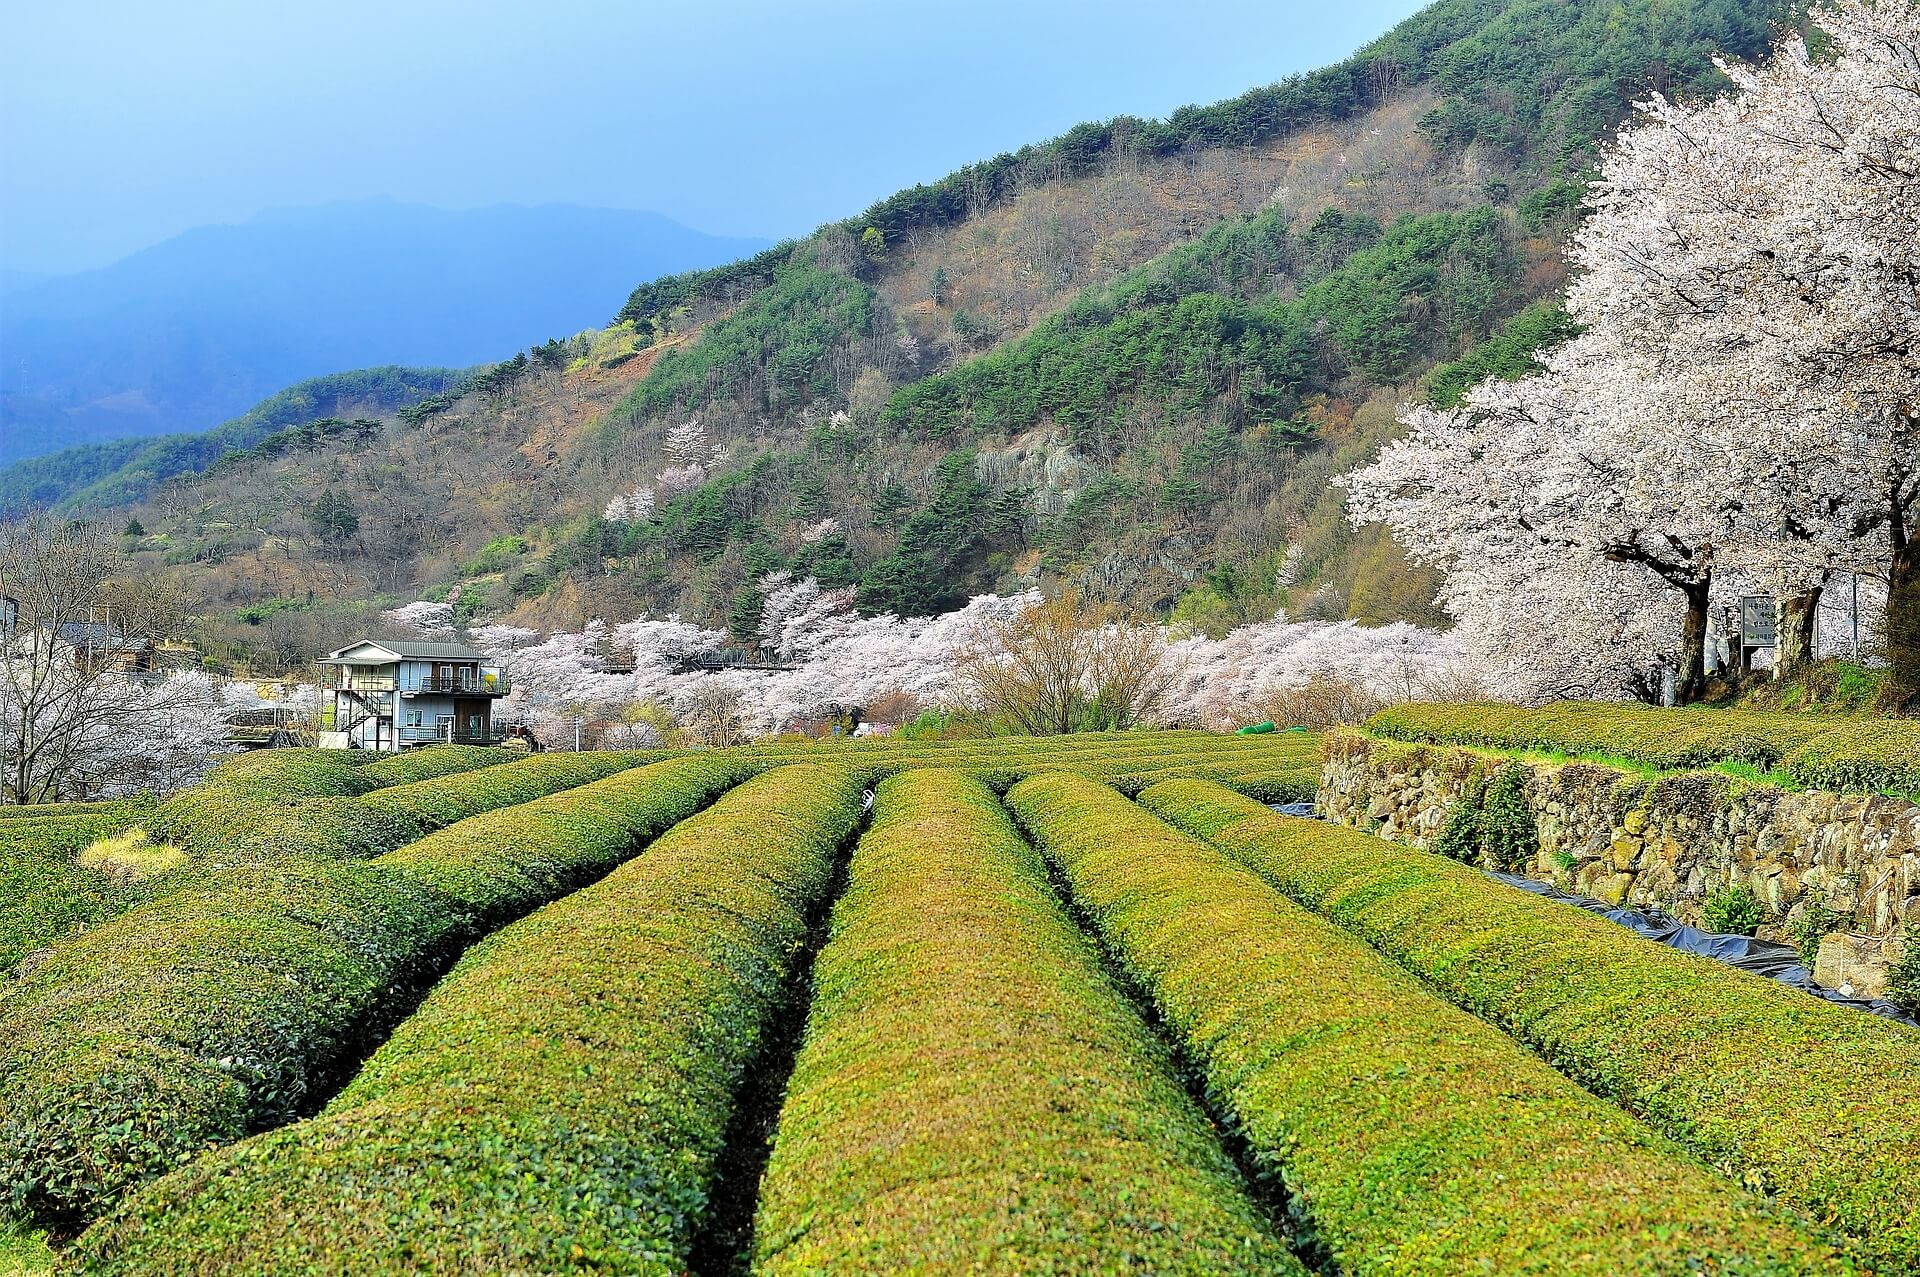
{"x":1067,"y":1005}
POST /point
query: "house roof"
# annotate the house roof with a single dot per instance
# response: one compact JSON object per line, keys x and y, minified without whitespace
{"x":92,"y":634}
{"x":413,"y":650}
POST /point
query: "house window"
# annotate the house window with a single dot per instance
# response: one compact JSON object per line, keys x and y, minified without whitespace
{"x":413,"y":718}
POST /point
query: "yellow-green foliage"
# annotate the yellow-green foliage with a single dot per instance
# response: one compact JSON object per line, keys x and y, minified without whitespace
{"x":1818,"y":751}
{"x":262,"y":803}
{"x":131,"y":855}
{"x":240,"y":823}
{"x":40,"y":811}
{"x":431,"y":803}
{"x":1666,"y":738}
{"x":1813,"y":1102}
{"x":559,"y":1102}
{"x":1412,"y":1137}
{"x":435,"y":760}
{"x":972,"y":1084}
{"x":1279,"y":767}
{"x":228,"y":1005}
{"x":1880,"y":756}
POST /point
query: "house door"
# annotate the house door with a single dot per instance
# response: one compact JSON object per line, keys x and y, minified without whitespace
{"x":470,"y":720}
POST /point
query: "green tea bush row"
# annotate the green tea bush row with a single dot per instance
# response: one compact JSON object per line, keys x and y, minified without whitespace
{"x":1880,"y":757}
{"x":1278,"y":764}
{"x":1812,"y":1102}
{"x":41,"y":811}
{"x":235,"y":1003}
{"x":1818,"y":751}
{"x":436,"y":760}
{"x":1410,"y":1136}
{"x":973,"y":1084}
{"x":220,"y":824}
{"x":559,"y":1102}
{"x":44,"y":895}
{"x":430,"y":804}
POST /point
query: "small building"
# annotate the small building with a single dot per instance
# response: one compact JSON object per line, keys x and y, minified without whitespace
{"x":393,"y":694}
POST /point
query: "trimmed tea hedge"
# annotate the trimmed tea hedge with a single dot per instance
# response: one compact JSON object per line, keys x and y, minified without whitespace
{"x":253,"y":800}
{"x":431,"y":804}
{"x":559,"y":1102}
{"x":44,"y":895}
{"x":973,"y":1085}
{"x":436,"y":760}
{"x":1813,"y":1102}
{"x":228,"y":826}
{"x":1818,"y":751}
{"x":1284,"y":765}
{"x":1411,"y":1137}
{"x":231,"y":1005}
{"x":1883,"y":757}
{"x":40,"y":811}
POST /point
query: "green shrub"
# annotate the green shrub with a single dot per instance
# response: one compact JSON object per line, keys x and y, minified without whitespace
{"x":1812,"y":1101}
{"x":41,"y":811}
{"x":1507,"y":830}
{"x":219,"y":822}
{"x":1491,"y":823}
{"x":559,"y":1102}
{"x":1040,"y":1084}
{"x":1411,"y":1136}
{"x":228,"y":1006}
{"x":1460,"y":837}
{"x":1903,"y":981}
{"x":1733,"y":910}
{"x":1815,"y":921}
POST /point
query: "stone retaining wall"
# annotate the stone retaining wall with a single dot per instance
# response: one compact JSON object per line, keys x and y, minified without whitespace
{"x":1668,"y":842}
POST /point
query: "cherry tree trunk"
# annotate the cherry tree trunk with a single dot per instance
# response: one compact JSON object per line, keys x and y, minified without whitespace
{"x":1799,"y":614}
{"x":1691,"y":680}
{"x":1902,"y":629}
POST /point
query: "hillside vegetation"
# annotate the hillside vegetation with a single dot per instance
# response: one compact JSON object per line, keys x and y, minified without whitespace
{"x":1128,"y":359}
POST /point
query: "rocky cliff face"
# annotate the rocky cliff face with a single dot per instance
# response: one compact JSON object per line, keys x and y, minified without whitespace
{"x":1669,"y":842}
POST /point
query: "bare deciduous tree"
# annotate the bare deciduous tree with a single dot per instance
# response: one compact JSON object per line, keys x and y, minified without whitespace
{"x":1067,"y":665}
{"x":66,"y":692}
{"x":712,"y":715}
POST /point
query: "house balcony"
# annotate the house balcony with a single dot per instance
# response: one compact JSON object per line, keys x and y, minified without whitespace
{"x":448,"y":734}
{"x":466,"y":683}
{"x":347,"y":679}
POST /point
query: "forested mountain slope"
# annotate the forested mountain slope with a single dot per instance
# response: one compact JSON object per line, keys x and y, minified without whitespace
{"x":1130,"y":359}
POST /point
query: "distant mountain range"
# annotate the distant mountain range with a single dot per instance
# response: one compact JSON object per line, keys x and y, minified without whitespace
{"x":192,"y":331}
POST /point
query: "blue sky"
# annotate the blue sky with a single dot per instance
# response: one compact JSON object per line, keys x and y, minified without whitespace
{"x":124,"y":123}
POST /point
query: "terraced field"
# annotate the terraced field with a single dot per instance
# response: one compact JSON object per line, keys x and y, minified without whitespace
{"x":1076,"y":1005}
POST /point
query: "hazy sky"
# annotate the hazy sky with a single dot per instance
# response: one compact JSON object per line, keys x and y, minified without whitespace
{"x":123,"y":123}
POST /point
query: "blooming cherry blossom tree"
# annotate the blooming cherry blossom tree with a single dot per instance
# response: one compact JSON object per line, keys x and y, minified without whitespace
{"x":422,"y":620}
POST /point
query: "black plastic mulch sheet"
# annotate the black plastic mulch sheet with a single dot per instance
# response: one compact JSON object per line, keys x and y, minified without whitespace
{"x":1779,"y":962}
{"x":1762,"y":957}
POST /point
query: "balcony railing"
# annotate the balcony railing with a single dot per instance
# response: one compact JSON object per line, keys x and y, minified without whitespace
{"x":359,"y":683}
{"x":455,"y":683}
{"x":448,"y":734}
{"x":468,"y":682}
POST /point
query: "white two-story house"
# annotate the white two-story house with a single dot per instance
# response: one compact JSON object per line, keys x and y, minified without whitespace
{"x":391,"y":694}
